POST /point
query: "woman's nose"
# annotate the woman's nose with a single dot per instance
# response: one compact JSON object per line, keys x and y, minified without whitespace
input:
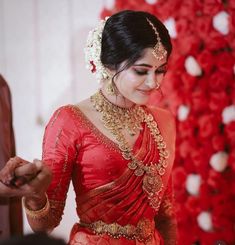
{"x":152,"y":82}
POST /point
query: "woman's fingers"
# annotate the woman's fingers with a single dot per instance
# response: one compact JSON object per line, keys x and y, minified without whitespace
{"x":40,"y":183}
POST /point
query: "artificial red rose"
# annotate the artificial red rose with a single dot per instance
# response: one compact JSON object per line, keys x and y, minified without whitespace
{"x":208,"y":125}
{"x":231,"y":162}
{"x":211,"y":7}
{"x":219,"y":81}
{"x":215,"y":180}
{"x":183,"y":28}
{"x":188,"y":82}
{"x":199,"y":100}
{"x":180,"y":195}
{"x":184,"y":148}
{"x":202,"y":26}
{"x":232,"y":93}
{"x":206,"y":60}
{"x":179,"y":176}
{"x":189,"y":9}
{"x":231,"y":13}
{"x":225,"y":62}
{"x":189,"y":44}
{"x":165,"y":10}
{"x":230,"y":133}
{"x":218,"y":101}
{"x":215,"y":41}
{"x":189,"y":165}
{"x":193,"y":205}
{"x":218,"y":142}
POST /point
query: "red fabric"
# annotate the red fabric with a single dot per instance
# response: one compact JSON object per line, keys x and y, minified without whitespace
{"x":105,"y":188}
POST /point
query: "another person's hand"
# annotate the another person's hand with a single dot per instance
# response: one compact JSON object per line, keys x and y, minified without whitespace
{"x":21,"y":178}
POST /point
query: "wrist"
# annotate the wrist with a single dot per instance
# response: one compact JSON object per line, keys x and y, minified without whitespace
{"x":36,"y":209}
{"x":35,"y":202}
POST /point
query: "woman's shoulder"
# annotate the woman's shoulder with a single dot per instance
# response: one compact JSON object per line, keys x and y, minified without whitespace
{"x":69,"y":110}
{"x":70,"y":114}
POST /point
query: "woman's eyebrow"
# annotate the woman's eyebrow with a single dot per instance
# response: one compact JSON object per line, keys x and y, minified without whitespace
{"x":149,"y":66}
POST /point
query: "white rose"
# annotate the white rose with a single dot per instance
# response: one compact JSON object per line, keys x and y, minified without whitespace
{"x":221,"y":22}
{"x":228,"y":114}
{"x":219,"y":161}
{"x":193,"y":183}
{"x":183,"y":112}
{"x":192,"y":67}
{"x":170,"y":25}
{"x":204,"y":221}
{"x":151,"y":1}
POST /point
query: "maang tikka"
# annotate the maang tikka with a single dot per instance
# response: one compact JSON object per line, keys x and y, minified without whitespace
{"x":159,"y":51}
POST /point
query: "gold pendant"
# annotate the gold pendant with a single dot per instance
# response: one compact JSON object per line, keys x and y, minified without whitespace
{"x":152,"y":183}
{"x":139,"y":172}
{"x":132,"y":165}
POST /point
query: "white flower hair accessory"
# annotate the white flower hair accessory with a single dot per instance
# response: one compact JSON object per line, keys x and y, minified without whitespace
{"x":93,"y":52}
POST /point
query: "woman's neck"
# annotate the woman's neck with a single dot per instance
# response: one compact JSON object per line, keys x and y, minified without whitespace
{"x":117,"y":99}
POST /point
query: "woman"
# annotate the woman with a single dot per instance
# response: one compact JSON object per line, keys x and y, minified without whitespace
{"x":117,"y":151}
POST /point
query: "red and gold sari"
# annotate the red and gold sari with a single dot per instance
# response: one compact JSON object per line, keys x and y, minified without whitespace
{"x":112,"y":207}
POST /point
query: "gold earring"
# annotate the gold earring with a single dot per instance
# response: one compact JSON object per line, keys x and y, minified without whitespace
{"x":110,"y":89}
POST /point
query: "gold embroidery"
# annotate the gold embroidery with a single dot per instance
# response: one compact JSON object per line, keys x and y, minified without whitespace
{"x":58,"y":187}
{"x":142,"y":232}
{"x":84,"y":121}
{"x":58,"y":136}
{"x":55,"y":117}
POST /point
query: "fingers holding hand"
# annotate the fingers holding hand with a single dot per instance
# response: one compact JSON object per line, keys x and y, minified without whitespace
{"x":7,"y":174}
{"x":38,"y":185}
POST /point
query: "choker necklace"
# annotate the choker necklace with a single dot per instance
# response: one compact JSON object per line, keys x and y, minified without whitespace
{"x":115,"y":119}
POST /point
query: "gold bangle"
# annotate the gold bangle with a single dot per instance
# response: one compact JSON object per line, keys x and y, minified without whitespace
{"x":37,"y":214}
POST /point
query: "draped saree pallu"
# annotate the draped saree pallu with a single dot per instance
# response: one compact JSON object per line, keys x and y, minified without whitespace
{"x":116,"y":202}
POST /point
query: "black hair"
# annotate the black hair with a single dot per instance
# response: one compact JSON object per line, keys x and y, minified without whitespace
{"x":125,"y":36}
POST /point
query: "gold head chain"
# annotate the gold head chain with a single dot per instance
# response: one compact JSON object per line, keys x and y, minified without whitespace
{"x":159,"y":51}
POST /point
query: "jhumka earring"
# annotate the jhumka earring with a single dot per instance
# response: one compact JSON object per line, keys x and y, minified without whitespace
{"x":110,"y":89}
{"x":158,"y":50}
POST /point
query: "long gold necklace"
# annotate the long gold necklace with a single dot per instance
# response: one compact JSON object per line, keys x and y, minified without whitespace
{"x":115,"y":119}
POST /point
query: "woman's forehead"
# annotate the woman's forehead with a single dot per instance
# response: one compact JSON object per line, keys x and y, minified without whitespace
{"x":149,"y":59}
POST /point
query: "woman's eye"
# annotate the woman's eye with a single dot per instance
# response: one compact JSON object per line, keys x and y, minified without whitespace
{"x":141,"y":72}
{"x":160,"y":71}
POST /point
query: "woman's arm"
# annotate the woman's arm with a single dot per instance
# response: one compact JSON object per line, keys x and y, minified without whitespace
{"x":44,"y":210}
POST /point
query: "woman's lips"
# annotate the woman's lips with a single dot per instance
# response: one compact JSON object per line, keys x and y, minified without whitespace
{"x":145,"y":92}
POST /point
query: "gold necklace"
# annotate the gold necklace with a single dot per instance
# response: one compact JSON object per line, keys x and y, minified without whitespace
{"x":114,"y":116}
{"x":115,"y":119}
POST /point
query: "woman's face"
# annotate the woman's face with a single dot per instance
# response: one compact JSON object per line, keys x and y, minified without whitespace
{"x":138,"y":81}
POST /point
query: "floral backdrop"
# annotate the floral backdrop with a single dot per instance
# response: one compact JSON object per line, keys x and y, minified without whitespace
{"x":199,"y":89}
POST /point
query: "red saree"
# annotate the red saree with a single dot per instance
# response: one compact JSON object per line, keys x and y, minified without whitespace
{"x":111,"y":204}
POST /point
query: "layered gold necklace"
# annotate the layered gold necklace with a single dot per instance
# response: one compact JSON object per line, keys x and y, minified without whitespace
{"x":115,"y":119}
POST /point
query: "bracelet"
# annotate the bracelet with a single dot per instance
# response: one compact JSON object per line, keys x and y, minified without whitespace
{"x":37,"y":214}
